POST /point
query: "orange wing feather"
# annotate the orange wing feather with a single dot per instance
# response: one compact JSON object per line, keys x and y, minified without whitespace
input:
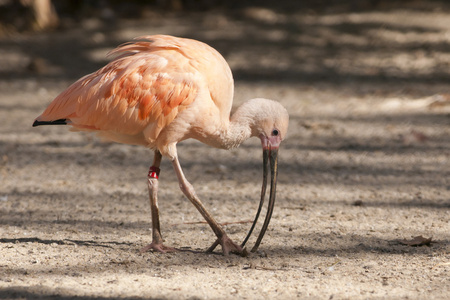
{"x":142,"y":89}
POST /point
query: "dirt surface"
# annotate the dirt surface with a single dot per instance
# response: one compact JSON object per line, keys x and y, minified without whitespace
{"x":365,"y":167}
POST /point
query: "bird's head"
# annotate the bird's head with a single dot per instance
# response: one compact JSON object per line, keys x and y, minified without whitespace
{"x":271,"y":123}
{"x":268,"y":120}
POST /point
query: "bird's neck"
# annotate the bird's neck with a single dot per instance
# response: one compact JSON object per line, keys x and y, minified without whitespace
{"x":237,"y":130}
{"x":240,"y":127}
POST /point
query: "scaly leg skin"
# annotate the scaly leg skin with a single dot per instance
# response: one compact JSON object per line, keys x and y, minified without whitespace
{"x":157,"y":241}
{"x":228,"y":246}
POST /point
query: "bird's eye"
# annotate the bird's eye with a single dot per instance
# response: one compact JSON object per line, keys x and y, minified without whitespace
{"x":275,"y":132}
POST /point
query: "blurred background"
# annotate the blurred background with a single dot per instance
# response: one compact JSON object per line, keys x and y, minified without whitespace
{"x":336,"y":41}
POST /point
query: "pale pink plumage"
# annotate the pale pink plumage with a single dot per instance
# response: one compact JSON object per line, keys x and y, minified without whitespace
{"x":148,"y":84}
{"x":160,"y":90}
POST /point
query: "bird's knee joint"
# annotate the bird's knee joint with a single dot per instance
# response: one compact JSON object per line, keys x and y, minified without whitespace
{"x":152,"y":183}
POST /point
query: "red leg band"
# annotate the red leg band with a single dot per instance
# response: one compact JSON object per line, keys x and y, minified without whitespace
{"x":153,"y":172}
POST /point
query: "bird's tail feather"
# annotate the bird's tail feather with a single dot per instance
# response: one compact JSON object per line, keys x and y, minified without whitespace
{"x":55,"y":122}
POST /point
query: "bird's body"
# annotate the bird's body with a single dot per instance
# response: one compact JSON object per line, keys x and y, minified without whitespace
{"x":158,"y":91}
{"x":152,"y":94}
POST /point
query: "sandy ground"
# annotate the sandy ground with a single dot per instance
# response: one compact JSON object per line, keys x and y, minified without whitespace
{"x":366,"y":165}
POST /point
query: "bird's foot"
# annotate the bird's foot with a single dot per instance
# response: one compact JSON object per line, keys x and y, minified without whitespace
{"x":228,"y":246}
{"x":159,"y":247}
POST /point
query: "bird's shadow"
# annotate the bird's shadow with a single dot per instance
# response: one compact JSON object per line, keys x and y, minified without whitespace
{"x":85,"y":243}
{"x":358,"y":244}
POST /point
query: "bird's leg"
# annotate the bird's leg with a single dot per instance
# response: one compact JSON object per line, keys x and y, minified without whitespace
{"x":152,"y":178}
{"x":227,"y":244}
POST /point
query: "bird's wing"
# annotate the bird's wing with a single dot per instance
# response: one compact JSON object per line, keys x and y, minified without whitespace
{"x":142,"y":89}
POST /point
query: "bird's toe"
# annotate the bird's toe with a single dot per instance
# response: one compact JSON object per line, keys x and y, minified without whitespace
{"x":158,"y":248}
{"x":228,"y":246}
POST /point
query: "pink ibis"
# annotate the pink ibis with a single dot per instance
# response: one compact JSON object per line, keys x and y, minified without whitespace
{"x":160,"y":90}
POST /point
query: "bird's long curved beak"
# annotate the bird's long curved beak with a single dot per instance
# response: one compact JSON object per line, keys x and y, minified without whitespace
{"x":270,"y":157}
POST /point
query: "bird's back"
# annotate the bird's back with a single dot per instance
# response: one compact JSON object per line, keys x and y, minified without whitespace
{"x":145,"y":88}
